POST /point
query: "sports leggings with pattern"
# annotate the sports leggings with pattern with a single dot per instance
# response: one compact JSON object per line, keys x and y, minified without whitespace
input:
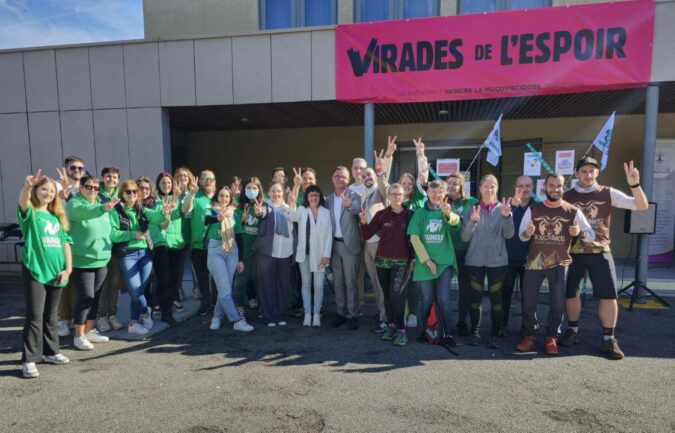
{"x":495,"y":279}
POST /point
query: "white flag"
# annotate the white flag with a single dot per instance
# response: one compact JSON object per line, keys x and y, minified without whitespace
{"x":494,"y":143}
{"x":603,"y":140}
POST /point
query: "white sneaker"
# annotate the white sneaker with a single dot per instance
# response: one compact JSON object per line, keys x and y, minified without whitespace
{"x":308,"y":320}
{"x":282,"y":323}
{"x":29,"y":370}
{"x":63,"y":331}
{"x":115,"y":323}
{"x":243,"y":326}
{"x":103,"y":324}
{"x":57,"y":359}
{"x":146,"y":320}
{"x":271,"y":325}
{"x":82,"y":343}
{"x":137,"y":328}
{"x":215,"y":323}
{"x":316,"y":321}
{"x":94,"y":337}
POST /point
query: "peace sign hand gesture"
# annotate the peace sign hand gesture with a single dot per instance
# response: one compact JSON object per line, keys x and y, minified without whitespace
{"x":63,"y":176}
{"x":33,"y":178}
{"x":258,"y":208}
{"x":445,"y":208}
{"x":379,"y":166}
{"x":111,"y":204}
{"x":194,"y":186}
{"x":168,"y":205}
{"x":517,"y":199}
{"x":632,"y":173}
{"x":419,"y":146}
{"x":475,"y":214}
{"x":391,"y":146}
{"x":506,"y":207}
{"x":297,"y":176}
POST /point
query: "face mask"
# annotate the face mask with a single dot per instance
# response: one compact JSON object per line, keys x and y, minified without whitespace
{"x":251,"y":194}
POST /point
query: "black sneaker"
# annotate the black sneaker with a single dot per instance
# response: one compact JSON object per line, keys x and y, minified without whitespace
{"x":449,"y":341}
{"x":389,"y":334}
{"x":611,"y":349}
{"x":462,"y":329}
{"x":494,"y":344}
{"x":380,"y":327}
{"x":503,"y":331}
{"x":570,"y":338}
{"x":338,"y":321}
{"x":353,"y":324}
{"x":203,"y":310}
{"x":474,"y":340}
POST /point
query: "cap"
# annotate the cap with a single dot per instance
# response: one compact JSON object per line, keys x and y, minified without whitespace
{"x":587,"y":161}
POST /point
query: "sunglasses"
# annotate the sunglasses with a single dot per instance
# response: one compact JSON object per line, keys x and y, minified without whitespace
{"x":91,"y":187}
{"x":131,"y":191}
{"x":207,"y":179}
{"x":76,"y":168}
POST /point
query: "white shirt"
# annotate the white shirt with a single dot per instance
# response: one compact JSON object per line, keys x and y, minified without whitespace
{"x":337,"y":211}
{"x":282,"y":247}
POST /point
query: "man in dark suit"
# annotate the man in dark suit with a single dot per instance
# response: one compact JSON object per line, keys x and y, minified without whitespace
{"x":344,"y":206}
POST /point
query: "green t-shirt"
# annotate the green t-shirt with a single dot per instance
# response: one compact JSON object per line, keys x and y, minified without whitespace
{"x":201,"y":205}
{"x":436,"y":235}
{"x":249,"y":233}
{"x":463,"y":209}
{"x":43,"y":253}
{"x":90,"y":230}
{"x":418,"y":199}
{"x":172,"y":236}
{"x":129,"y":236}
{"x":213,"y":230}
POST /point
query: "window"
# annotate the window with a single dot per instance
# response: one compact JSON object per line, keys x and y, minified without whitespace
{"x":283,"y":14}
{"x":379,"y":10}
{"x":480,"y":6}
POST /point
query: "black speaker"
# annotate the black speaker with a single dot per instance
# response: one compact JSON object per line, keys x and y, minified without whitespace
{"x":642,"y":222}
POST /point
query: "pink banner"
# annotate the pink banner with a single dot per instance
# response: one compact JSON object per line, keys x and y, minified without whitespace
{"x":496,"y":55}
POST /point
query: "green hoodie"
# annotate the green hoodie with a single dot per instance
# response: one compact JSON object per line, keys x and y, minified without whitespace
{"x":118,"y":236}
{"x":172,"y":236}
{"x":90,"y":230}
{"x":105,"y":197}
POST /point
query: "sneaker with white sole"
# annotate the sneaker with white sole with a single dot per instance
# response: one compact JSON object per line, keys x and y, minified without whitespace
{"x":103,"y":324}
{"x":178,"y":306}
{"x":64,"y":330}
{"x":115,"y":322}
{"x":243,"y":326}
{"x":146,"y":319}
{"x":282,"y":323}
{"x":137,"y":328}
{"x":94,"y":337}
{"x":308,"y":320}
{"x":29,"y":370}
{"x":57,"y":359}
{"x":215,"y":323}
{"x":82,"y":343}
{"x":316,"y":320}
{"x":412,"y":321}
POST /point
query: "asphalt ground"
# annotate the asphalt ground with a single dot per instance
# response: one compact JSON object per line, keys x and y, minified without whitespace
{"x":295,"y":379}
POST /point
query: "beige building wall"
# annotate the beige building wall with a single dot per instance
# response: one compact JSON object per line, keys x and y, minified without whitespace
{"x":244,"y":153}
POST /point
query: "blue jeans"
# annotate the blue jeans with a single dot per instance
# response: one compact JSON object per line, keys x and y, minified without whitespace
{"x":222,"y":267}
{"x":136,"y":268}
{"x":438,"y":289}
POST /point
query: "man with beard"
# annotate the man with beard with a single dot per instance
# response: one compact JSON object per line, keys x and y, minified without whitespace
{"x":69,"y":177}
{"x":198,"y":201}
{"x":596,"y":202}
{"x":549,"y":227}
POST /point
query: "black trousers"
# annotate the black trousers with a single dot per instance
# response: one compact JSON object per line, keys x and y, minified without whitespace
{"x":512,"y":273}
{"x":394,"y":283}
{"x":40,"y":329}
{"x":275,"y":280}
{"x":209,"y":297}
{"x":168,"y":271}
{"x":495,"y":280}
{"x":464,"y":296}
{"x":88,"y":283}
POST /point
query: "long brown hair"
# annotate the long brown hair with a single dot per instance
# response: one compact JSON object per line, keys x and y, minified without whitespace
{"x":460,"y":179}
{"x":55,"y":207}
{"x":124,"y":186}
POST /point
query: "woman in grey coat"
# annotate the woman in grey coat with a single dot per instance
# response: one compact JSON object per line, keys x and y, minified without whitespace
{"x":486,"y":227}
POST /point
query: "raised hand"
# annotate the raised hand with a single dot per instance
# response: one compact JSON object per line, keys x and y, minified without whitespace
{"x":391,"y":146}
{"x":297,"y":176}
{"x":517,"y":199}
{"x":33,"y":178}
{"x":575,"y":230}
{"x":168,"y":205}
{"x":446,"y":208}
{"x":346,"y":200}
{"x":424,"y":165}
{"x":111,"y":204}
{"x":379,"y":166}
{"x":530,"y":229}
{"x":506,"y":207}
{"x":245,"y":214}
{"x":258,"y":208}
{"x":63,"y":176}
{"x":475,"y":214}
{"x":419,"y":146}
{"x":194,"y":186}
{"x":632,"y":173}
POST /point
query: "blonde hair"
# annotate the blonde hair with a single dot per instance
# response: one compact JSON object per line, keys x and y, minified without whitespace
{"x":55,"y":207}
{"x":124,"y":186}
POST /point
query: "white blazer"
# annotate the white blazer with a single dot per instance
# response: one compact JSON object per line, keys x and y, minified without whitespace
{"x":320,"y":236}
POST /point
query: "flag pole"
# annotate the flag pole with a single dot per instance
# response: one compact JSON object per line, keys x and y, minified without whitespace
{"x":466,"y":172}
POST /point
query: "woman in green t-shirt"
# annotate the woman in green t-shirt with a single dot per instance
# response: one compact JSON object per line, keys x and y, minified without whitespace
{"x":90,"y":230}
{"x":129,"y":221}
{"x":46,"y":266}
{"x":167,"y":239}
{"x":430,"y":233}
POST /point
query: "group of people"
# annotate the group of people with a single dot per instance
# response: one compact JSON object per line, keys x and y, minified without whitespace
{"x":88,"y":237}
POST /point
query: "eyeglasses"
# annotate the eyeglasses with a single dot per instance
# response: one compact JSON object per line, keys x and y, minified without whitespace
{"x":131,"y":191}
{"x":76,"y":168}
{"x":208,"y":179}
{"x":314,"y":195}
{"x":144,"y":188}
{"x":91,"y":187}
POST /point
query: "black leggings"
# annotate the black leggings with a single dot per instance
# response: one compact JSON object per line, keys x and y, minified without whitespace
{"x":40,"y":329}
{"x":507,"y":291}
{"x":495,"y":278}
{"x":168,"y":270}
{"x":394,"y":283}
{"x":88,"y":283}
{"x":209,"y":297}
{"x":464,"y":298}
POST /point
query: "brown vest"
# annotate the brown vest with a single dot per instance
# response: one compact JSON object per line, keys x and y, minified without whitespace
{"x":550,"y":244}
{"x":597,"y":208}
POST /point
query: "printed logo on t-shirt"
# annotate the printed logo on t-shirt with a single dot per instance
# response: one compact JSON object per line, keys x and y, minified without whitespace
{"x":50,"y":228}
{"x":590,"y":210}
{"x":433,"y":226}
{"x":50,"y":240}
{"x":549,"y":229}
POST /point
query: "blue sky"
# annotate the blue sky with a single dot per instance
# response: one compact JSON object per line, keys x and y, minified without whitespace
{"x":29,"y":23}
